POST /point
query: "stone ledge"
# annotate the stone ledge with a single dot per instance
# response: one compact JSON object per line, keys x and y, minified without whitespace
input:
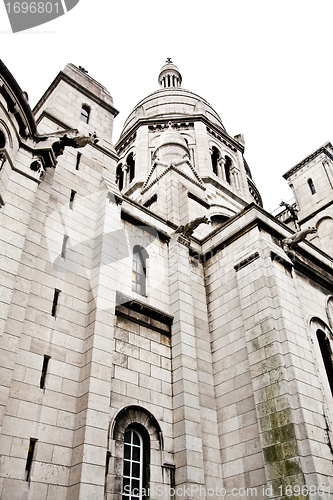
{"x":143,"y":314}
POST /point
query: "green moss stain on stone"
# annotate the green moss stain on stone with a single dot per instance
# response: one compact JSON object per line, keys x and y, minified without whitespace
{"x":255,"y":344}
{"x":281,"y":418}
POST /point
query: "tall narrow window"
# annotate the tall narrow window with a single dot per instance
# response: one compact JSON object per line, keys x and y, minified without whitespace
{"x":85,"y":112}
{"x":64,"y":246}
{"x":44,"y":371}
{"x":227,"y":167}
{"x":131,"y":164}
{"x":133,"y":465}
{"x":311,"y":186}
{"x":78,"y":159}
{"x":2,"y":140}
{"x":120,"y":177}
{"x":55,"y":302}
{"x":139,"y":271}
{"x":30,"y":458}
{"x":215,"y":157}
{"x":326,"y":353}
{"x":71,"y":199}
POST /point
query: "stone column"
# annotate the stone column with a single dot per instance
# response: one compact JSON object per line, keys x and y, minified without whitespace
{"x":220,"y":166}
{"x":234,"y":179}
{"x":125,"y":170}
{"x":189,"y":473}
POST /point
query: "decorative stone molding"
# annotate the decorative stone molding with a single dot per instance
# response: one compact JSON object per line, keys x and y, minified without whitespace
{"x":221,"y":139}
{"x":136,"y":415}
{"x":127,"y":142}
{"x":158,"y":127}
{"x":143,"y":314}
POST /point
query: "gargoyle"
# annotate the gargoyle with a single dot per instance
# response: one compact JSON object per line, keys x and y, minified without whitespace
{"x":49,"y":147}
{"x":290,"y":243}
{"x":79,"y":141}
{"x":292,"y":210}
{"x":188,"y":229}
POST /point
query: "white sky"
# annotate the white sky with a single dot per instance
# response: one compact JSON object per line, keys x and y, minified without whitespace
{"x":265,"y":66}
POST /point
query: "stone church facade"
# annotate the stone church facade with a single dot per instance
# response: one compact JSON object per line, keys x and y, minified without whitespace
{"x":162,"y":335}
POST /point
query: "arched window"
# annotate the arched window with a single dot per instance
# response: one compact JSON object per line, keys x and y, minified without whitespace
{"x":120,"y":177}
{"x":131,"y":165}
{"x":311,"y":186}
{"x":215,"y":158}
{"x":227,"y":167}
{"x":139,"y":270}
{"x":326,"y":353}
{"x":133,"y":469}
{"x":131,"y":424}
{"x":85,"y":112}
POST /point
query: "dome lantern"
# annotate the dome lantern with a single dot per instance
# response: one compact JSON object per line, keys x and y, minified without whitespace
{"x":169,"y":75}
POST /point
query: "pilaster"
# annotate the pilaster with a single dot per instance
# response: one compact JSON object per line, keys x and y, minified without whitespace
{"x":87,"y":478}
{"x":188,"y":446}
{"x":276,"y":335}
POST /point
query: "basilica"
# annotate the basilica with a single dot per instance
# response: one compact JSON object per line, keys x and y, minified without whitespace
{"x":162,"y":336}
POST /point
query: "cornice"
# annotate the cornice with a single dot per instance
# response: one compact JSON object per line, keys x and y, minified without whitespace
{"x":143,"y":314}
{"x":225,"y":138}
{"x":126,"y":209}
{"x":309,"y":158}
{"x":219,"y":132}
{"x":255,"y":216}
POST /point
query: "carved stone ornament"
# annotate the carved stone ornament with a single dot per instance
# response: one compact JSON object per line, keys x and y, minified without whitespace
{"x":188,"y":229}
{"x":290,"y":243}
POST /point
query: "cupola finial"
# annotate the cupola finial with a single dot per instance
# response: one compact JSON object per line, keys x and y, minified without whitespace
{"x":169,"y":76}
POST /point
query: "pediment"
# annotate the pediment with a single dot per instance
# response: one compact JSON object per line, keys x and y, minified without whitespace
{"x":183,"y":168}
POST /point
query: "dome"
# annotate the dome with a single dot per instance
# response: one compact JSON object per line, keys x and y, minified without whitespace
{"x":171,"y":102}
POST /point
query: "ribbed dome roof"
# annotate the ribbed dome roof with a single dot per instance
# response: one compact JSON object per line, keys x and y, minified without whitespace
{"x":172,"y":103}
